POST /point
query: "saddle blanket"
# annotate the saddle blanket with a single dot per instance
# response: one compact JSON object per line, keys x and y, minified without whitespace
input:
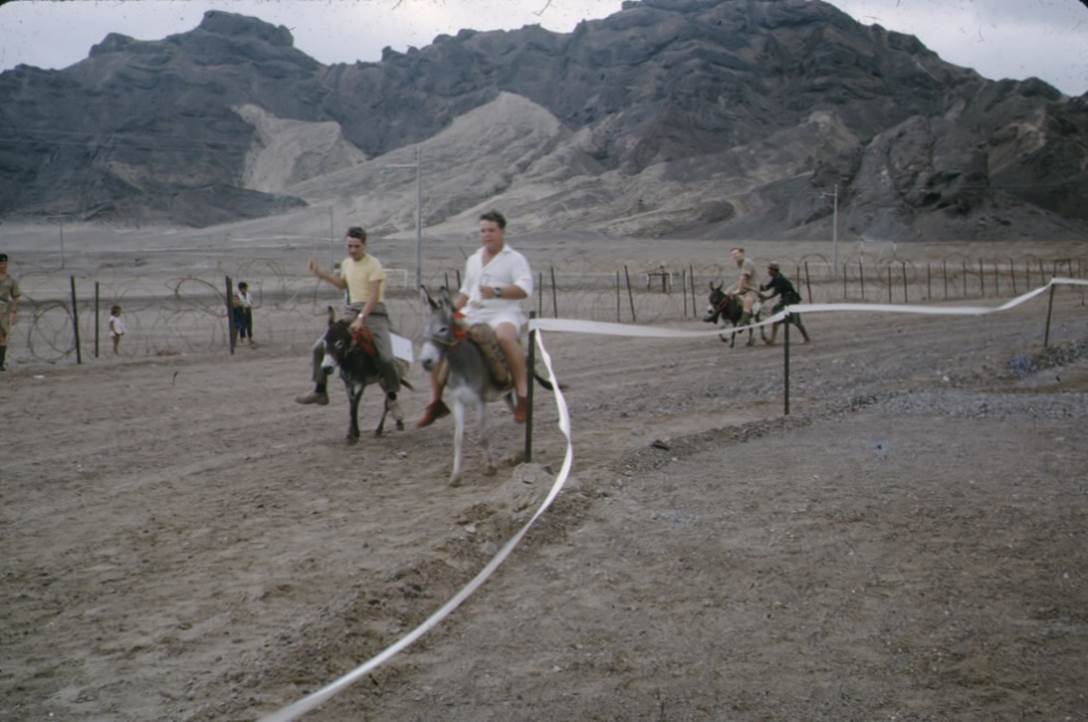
{"x":402,"y":348}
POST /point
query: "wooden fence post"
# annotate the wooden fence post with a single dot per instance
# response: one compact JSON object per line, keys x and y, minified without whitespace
{"x":844,"y":281}
{"x":1049,"y":309}
{"x":684,"y":287}
{"x":981,"y":279}
{"x":889,"y":283}
{"x":691,"y":275}
{"x":555,"y":295}
{"x":630,"y":296}
{"x":617,"y":296}
{"x":944,"y":266}
{"x":786,"y":367}
{"x":808,"y":283}
{"x":964,"y":279}
{"x":903,"y":267}
{"x":231,"y":330}
{"x":96,"y":320}
{"x":531,"y":363}
{"x":540,"y":294}
{"x":1012,"y":275}
{"x":75,"y":321}
{"x":861,"y":278}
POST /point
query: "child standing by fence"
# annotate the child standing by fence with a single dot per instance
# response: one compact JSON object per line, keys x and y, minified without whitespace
{"x":244,"y":318}
{"x":117,"y":328}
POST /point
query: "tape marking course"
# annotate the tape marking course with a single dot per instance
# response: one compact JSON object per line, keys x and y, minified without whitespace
{"x":315,"y":699}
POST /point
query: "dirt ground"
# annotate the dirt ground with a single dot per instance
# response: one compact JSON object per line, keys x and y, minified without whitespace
{"x":182,"y":542}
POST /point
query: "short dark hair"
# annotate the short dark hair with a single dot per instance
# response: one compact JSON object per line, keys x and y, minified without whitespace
{"x":3,"y":257}
{"x":495,"y":217}
{"x":242,"y":284}
{"x":357,"y":232}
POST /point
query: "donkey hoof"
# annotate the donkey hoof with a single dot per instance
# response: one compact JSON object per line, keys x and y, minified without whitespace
{"x":723,"y":339}
{"x":377,"y":432}
{"x":455,"y":481}
{"x":400,"y":425}
{"x":352,"y":439}
{"x":490,"y":470}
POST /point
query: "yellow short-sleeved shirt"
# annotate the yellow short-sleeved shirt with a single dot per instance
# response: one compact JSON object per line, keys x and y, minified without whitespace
{"x":360,"y":276}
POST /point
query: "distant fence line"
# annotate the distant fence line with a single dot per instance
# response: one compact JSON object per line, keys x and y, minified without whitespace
{"x":188,"y":313}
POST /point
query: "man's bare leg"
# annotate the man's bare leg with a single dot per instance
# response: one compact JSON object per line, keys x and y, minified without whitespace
{"x":507,"y":336}
{"x":436,"y":409}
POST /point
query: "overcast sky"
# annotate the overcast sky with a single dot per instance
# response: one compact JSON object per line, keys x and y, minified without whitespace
{"x":999,"y":38}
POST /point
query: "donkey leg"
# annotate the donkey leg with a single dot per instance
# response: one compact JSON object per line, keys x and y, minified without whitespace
{"x":485,"y":442}
{"x":381,"y":422}
{"x":354,"y":395}
{"x":458,"y":440}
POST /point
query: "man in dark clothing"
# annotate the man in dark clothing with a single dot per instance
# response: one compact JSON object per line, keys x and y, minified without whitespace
{"x":787,"y":296}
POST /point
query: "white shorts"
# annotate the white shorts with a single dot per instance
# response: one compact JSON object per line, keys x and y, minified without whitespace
{"x":493,"y":317}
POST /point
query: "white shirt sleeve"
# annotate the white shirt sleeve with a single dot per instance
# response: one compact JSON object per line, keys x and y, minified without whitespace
{"x":522,"y":274}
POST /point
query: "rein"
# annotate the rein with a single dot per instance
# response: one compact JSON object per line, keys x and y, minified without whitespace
{"x":364,"y":339}
{"x":726,"y":298}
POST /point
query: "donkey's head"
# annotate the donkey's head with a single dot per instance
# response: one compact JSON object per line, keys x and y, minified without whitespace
{"x":439,"y":332}
{"x":337,"y":344}
{"x":715,"y":303}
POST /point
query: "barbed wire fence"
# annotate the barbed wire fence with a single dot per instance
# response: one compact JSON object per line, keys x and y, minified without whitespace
{"x":187,"y":314}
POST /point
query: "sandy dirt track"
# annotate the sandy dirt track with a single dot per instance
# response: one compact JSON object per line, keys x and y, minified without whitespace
{"x":183,"y":542}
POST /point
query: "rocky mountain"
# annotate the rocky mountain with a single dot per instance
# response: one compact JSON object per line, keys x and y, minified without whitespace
{"x":718,"y":118}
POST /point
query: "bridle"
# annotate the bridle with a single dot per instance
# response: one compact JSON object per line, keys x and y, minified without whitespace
{"x":458,"y":332}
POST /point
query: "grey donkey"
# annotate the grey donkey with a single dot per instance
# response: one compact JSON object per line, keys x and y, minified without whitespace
{"x":470,"y":381}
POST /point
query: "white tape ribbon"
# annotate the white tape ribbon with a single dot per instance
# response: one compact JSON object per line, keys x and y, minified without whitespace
{"x":603,"y":328}
{"x":315,"y":699}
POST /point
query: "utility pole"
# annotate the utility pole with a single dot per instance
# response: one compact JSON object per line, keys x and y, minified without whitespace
{"x":418,"y":165}
{"x":834,"y":196}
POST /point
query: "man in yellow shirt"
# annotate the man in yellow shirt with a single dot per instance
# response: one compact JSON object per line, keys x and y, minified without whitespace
{"x":363,"y":277}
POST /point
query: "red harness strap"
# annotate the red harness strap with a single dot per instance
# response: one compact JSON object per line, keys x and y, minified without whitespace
{"x":364,"y":339}
{"x":460,"y":328}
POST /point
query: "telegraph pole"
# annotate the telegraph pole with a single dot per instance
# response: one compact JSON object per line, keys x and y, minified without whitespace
{"x":418,"y":165}
{"x":834,"y":196}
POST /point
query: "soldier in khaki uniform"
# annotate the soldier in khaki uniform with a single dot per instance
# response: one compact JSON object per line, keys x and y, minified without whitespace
{"x":746,"y":285}
{"x":9,"y":306}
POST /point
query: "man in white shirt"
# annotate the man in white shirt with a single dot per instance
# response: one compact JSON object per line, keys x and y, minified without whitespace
{"x":496,"y":279}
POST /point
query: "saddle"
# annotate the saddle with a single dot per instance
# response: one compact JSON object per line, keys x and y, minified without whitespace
{"x":484,"y":337}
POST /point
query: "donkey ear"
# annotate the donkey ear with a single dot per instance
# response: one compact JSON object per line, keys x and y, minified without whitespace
{"x":426,"y":297}
{"x":444,"y":296}
{"x":332,"y":315}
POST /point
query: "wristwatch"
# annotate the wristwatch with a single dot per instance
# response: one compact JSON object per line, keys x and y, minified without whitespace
{"x":498,"y":291}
